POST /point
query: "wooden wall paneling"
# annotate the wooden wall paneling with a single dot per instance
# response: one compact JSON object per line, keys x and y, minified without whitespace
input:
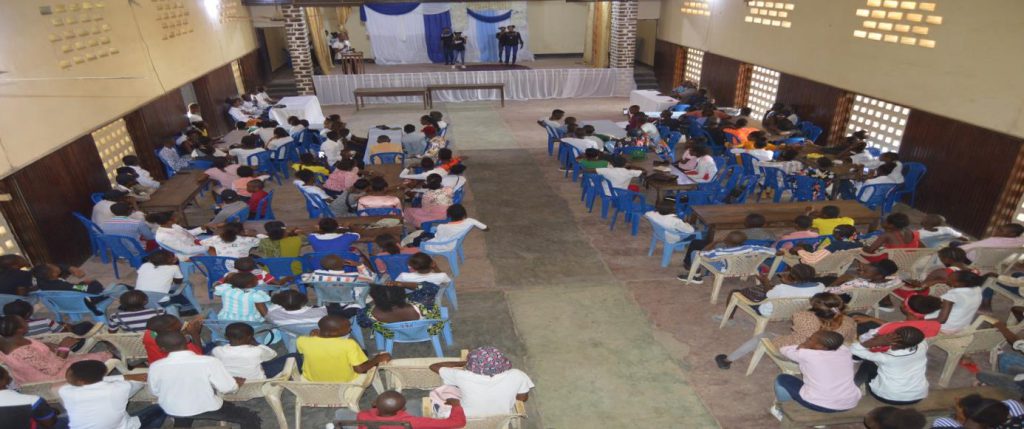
{"x":743,"y":78}
{"x":815,"y":102}
{"x":665,"y":64}
{"x":157,"y":121}
{"x":720,"y":76}
{"x":49,"y":190}
{"x":840,"y":119}
{"x":252,"y":71}
{"x":679,"y":70}
{"x":970,"y":170}
{"x":1010,"y":198}
{"x":211,"y":90}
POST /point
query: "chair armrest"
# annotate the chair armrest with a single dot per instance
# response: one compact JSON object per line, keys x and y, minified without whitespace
{"x":744,"y":300}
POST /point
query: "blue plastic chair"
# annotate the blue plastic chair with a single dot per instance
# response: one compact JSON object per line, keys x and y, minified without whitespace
{"x":812,"y":241}
{"x":553,"y":136}
{"x":632,"y":205}
{"x":875,"y":199}
{"x":586,"y":189}
{"x":387,"y":158}
{"x":96,"y":197}
{"x":874,"y":151}
{"x":659,"y":234}
{"x":693,"y":198}
{"x":213,"y":267}
{"x":747,"y":186}
{"x":94,"y":231}
{"x":458,"y":195}
{"x":7,"y":299}
{"x":283,"y":155}
{"x":168,"y":170}
{"x":913,"y":172}
{"x":774,"y":179}
{"x":680,"y":107}
{"x":71,"y":304}
{"x":121,"y":247}
{"x":311,"y":261}
{"x":572,"y":165}
{"x":290,"y":333}
{"x":748,"y":162}
{"x":395,"y":264}
{"x":810,"y":131}
{"x":316,"y":207}
{"x":264,"y":164}
{"x":435,"y":247}
{"x":431,"y":225}
{"x":807,"y":188}
{"x":417,"y":331}
{"x":603,"y":189}
{"x":340,"y":293}
{"x":673,"y":139}
{"x":239,"y":216}
{"x":384,"y":211}
{"x":265,"y":209}
{"x":264,"y":330}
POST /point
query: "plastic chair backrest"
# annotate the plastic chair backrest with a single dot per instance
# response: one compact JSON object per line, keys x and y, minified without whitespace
{"x":282,"y":267}
{"x":806,"y":188}
{"x":63,"y":301}
{"x":812,"y":241}
{"x":912,"y":174}
{"x":878,"y":195}
{"x":607,"y":190}
{"x":459,"y":194}
{"x":311,"y":261}
{"x":749,"y":162}
{"x":659,"y":233}
{"x":217,"y":328}
{"x":382,"y":211}
{"x":168,"y":170}
{"x":96,"y":197}
{"x":774,"y":178}
{"x":214,"y":267}
{"x":90,"y":227}
{"x":430,"y":225}
{"x":395,"y":264}
{"x":239,"y":216}
{"x":412,"y":331}
{"x":387,"y":158}
{"x":810,"y":131}
{"x":265,"y":209}
{"x":673,"y":139}
{"x":693,"y":198}
{"x":290,"y":333}
{"x":874,"y":151}
{"x":552,"y":132}
{"x":339,"y":244}
{"x":284,"y":152}
{"x":124,"y":247}
{"x":342,"y":293}
{"x":260,"y":161}
{"x":320,"y":208}
{"x":746,"y":186}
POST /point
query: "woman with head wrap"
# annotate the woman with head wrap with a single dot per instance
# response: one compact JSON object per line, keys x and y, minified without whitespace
{"x":487,"y":383}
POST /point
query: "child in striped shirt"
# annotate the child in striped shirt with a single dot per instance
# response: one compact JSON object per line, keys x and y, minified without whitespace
{"x":132,"y":314}
{"x":240,"y":300}
{"x":24,"y":310}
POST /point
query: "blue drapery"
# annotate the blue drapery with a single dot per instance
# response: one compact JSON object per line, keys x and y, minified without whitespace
{"x":486,"y":28}
{"x":487,"y":15}
{"x":432,"y":26}
{"x":387,"y":9}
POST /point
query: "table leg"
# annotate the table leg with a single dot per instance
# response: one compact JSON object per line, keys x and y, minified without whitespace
{"x":357,"y":102}
{"x":502,"y":90}
{"x":181,"y":214}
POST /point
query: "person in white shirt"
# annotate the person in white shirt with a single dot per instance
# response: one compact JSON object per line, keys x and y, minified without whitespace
{"x":187,"y":385}
{"x":281,"y":138}
{"x":553,"y":120}
{"x":101,"y":212}
{"x":897,"y":172}
{"x":935,"y":233}
{"x":796,"y":282}
{"x":332,"y":147}
{"x":960,"y":304}
{"x":427,"y":167}
{"x":250,"y":146}
{"x":588,"y":131}
{"x":488,"y":384}
{"x":295,"y":125}
{"x":193,"y":113}
{"x":666,"y":218}
{"x":94,"y":401}
{"x":455,"y":179}
{"x":249,"y":106}
{"x":144,"y":177}
{"x":894,"y":366}
{"x":266,"y":131}
{"x":619,"y":174}
{"x":236,"y":112}
{"x":162,"y":274}
{"x":178,"y":240}
{"x":882,"y":177}
{"x":23,"y":410}
{"x":169,"y":154}
{"x":245,"y":358}
{"x":262,"y":98}
{"x":580,"y":142}
{"x":703,"y":171}
{"x":459,"y":225}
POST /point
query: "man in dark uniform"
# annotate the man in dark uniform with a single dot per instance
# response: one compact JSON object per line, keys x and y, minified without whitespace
{"x":513,"y":43}
{"x":448,"y":43}
{"x":501,"y":44}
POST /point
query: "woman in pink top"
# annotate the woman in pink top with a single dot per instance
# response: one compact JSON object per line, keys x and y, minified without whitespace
{"x":344,"y":175}
{"x":803,"y":230}
{"x":31,"y":361}
{"x":379,"y":196}
{"x":827,"y":367}
{"x":222,"y":173}
{"x":434,"y":203}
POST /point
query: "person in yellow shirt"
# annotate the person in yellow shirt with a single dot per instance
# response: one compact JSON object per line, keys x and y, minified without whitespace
{"x":330,"y":356}
{"x":308,"y":161}
{"x":385,"y":145}
{"x":829,"y":219}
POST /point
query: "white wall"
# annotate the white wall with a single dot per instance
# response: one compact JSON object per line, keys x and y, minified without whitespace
{"x":973,"y":73}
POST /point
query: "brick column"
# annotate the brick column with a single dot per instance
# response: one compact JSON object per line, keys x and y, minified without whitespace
{"x":623,"y":37}
{"x":297,"y":35}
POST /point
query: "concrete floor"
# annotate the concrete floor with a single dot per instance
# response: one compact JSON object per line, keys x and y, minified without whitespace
{"x":609,"y":337}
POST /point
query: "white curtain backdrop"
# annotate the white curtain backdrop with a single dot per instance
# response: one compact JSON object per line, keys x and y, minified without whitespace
{"x":473,"y":50}
{"x":519,"y":85}
{"x":433,"y":8}
{"x":397,"y":39}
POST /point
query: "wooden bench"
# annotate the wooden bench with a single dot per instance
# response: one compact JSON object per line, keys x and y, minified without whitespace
{"x":500,"y":87}
{"x":939,"y":403}
{"x":361,"y":94}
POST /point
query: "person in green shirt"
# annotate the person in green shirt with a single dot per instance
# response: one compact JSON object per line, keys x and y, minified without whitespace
{"x":592,"y":159}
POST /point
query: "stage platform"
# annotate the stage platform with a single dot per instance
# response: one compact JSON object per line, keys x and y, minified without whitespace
{"x":529,"y":80}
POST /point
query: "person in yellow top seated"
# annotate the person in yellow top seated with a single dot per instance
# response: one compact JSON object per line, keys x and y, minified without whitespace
{"x":385,"y":145}
{"x":308,"y":161}
{"x":828,"y":220}
{"x":329,"y":355}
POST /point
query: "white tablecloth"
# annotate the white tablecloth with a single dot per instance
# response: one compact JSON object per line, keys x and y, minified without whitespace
{"x":303,"y":106}
{"x":650,"y":100}
{"x":519,"y":84}
{"x":606,"y":127}
{"x":371,"y":138}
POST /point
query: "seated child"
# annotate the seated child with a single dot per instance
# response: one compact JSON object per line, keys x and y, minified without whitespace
{"x":953,"y":259}
{"x":822,"y":171}
{"x":934,"y":232}
{"x":162,"y":274}
{"x":343,"y":177}
{"x":666,"y":218}
{"x":330,"y":356}
{"x":844,"y":237}
{"x":133,"y":313}
{"x":379,"y":196}
{"x":976,"y":411}
{"x":94,"y":400}
{"x":828,"y":219}
{"x":915,"y":309}
{"x":332,"y":270}
{"x":245,"y":174}
{"x":51,"y":277}
{"x":256,"y":195}
{"x":827,"y":368}
{"x":309,"y":162}
{"x":248,"y":265}
{"x":960,"y":304}
{"x":280,"y":241}
{"x":897,"y":375}
{"x":424,"y":278}
{"x":240,"y":300}
{"x":754,"y":228}
{"x":330,"y":238}
{"x":290,"y":308}
{"x":231,"y":204}
{"x":591,"y":159}
{"x":245,"y":358}
{"x":803,"y":230}
{"x":38,"y":326}
{"x":166,"y":323}
{"x":876,"y":275}
{"x":796,"y":282}
{"x":733,"y":244}
{"x":459,"y":224}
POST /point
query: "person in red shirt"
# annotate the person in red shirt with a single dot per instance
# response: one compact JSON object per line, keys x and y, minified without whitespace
{"x":446,"y":160}
{"x":914,"y":308}
{"x":256,"y":194}
{"x":168,"y":323}
{"x":390,"y":407}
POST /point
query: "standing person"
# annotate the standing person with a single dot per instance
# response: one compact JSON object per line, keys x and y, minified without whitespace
{"x":448,"y":44}
{"x":501,"y":44}
{"x":513,"y":43}
{"x":459,"y":45}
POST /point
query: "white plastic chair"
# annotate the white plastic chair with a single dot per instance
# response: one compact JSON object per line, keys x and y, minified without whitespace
{"x":89,"y":337}
{"x":317,"y":394}
{"x":997,"y":260}
{"x":414,"y":373}
{"x":836,"y":263}
{"x":782,"y":309}
{"x":128,"y":345}
{"x":864,"y":299}
{"x":48,"y":389}
{"x":501,"y":421}
{"x":972,"y":339}
{"x":766,"y":348}
{"x":993,"y":284}
{"x":740,"y":265}
{"x":911,"y":262}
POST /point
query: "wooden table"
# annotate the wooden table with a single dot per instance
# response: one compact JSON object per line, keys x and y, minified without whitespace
{"x":361,"y":93}
{"x":352,"y":62}
{"x":732,"y":216}
{"x":174,"y":194}
{"x":500,"y":87}
{"x":357,"y":224}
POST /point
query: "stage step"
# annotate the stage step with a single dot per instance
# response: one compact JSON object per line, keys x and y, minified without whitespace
{"x":644,"y":77}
